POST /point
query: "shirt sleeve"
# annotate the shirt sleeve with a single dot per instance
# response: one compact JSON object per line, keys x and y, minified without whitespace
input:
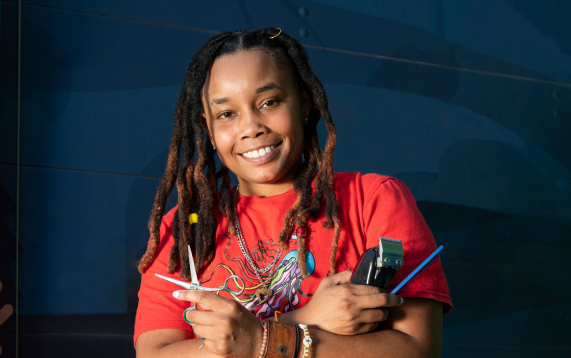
{"x":158,"y":309}
{"x":390,"y":211}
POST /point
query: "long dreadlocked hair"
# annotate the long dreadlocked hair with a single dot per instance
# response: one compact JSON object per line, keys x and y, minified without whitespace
{"x":197,"y":192}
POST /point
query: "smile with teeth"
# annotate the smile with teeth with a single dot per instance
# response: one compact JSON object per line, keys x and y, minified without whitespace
{"x":258,"y":153}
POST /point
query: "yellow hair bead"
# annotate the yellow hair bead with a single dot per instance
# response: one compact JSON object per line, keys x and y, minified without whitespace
{"x":193,"y":218}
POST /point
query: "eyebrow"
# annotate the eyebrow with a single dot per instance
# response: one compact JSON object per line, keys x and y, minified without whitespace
{"x":269,"y":86}
{"x":218,"y":101}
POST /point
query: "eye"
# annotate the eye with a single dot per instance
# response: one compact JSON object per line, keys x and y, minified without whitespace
{"x":225,"y":115}
{"x":270,"y":103}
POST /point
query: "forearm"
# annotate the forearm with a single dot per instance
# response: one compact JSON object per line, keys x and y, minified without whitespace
{"x":182,"y":349}
{"x":377,"y":344}
{"x":170,"y":343}
{"x":386,"y":343}
{"x":187,"y":348}
{"x":413,"y":330}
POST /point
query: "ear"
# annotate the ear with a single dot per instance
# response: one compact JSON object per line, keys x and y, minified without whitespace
{"x":203,"y":122}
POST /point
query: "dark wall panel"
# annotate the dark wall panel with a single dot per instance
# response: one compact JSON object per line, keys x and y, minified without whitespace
{"x":81,"y":236}
{"x":8,"y":81}
{"x":75,"y":345}
{"x":493,"y":351}
{"x":501,"y":29}
{"x":466,"y":102}
{"x":8,"y":139}
{"x":102,"y":86}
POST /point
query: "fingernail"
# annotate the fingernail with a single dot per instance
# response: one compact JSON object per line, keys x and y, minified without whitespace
{"x":176,"y":294}
{"x":401,"y":300}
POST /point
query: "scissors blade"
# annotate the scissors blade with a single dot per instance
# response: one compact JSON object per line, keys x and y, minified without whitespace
{"x":193,"y":277}
{"x":183,"y":284}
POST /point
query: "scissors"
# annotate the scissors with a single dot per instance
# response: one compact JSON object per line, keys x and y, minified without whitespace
{"x":195,"y":285}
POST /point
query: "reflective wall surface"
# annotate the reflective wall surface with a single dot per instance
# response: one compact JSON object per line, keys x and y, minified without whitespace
{"x":467,"y":102}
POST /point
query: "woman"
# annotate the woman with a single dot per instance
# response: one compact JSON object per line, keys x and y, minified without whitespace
{"x":286,"y":229}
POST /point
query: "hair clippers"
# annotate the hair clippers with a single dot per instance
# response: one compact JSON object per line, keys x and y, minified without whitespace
{"x":379,"y":265}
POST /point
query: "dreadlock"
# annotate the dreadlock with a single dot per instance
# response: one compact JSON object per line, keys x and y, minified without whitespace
{"x":197,"y":192}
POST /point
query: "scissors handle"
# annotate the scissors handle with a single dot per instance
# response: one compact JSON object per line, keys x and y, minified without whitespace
{"x":193,"y":286}
{"x":226,"y":288}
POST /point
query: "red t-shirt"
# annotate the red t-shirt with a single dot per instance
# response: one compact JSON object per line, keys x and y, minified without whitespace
{"x":370,"y":206}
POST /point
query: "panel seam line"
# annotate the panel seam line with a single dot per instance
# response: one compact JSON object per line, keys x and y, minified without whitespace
{"x":356,"y":53}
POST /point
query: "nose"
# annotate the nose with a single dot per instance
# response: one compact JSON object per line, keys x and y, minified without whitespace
{"x":251,"y":125}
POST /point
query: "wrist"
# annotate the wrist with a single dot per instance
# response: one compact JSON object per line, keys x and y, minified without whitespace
{"x":282,"y":340}
{"x":293,"y":317}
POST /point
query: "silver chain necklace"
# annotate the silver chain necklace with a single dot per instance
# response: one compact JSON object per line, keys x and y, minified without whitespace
{"x":263,"y":294}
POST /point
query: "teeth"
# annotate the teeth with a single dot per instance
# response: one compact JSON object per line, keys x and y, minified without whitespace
{"x":259,"y":153}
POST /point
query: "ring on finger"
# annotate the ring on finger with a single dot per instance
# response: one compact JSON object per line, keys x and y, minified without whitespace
{"x":184,"y":315}
{"x":191,"y":323}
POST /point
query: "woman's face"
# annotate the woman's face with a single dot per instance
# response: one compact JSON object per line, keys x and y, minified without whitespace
{"x":254,"y":111}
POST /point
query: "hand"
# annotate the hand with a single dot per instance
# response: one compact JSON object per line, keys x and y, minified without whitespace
{"x":228,"y":328}
{"x":343,"y":308}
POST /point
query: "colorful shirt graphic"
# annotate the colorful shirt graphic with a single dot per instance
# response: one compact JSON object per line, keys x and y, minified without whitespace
{"x":284,"y":280}
{"x":370,"y":206}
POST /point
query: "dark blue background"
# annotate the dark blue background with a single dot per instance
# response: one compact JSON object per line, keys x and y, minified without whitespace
{"x":467,"y":102}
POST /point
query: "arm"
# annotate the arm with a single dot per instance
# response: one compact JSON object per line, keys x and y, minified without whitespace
{"x":229,"y":329}
{"x":411,"y":330}
{"x":344,"y":322}
{"x":169,"y":343}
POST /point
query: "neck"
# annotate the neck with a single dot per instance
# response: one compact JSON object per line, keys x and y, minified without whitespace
{"x":263,"y":190}
{"x":270,"y":189}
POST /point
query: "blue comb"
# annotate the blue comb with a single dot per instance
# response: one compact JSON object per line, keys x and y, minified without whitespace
{"x":430,"y":259}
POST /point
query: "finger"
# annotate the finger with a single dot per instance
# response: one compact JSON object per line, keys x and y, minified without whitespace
{"x":199,"y":317}
{"x":365,"y":289}
{"x":339,"y":278}
{"x":378,"y":300}
{"x":367,"y":327}
{"x":206,"y":308}
{"x":205,"y":299}
{"x":358,"y":329}
{"x":212,"y":333}
{"x":373,"y":315}
{"x":216,"y":344}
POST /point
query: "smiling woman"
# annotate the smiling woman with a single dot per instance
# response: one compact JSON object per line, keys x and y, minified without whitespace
{"x":255,"y":114}
{"x":286,"y":229}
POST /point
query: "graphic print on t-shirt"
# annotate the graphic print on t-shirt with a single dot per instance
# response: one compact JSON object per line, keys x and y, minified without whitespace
{"x":265,"y":253}
{"x":285,"y":281}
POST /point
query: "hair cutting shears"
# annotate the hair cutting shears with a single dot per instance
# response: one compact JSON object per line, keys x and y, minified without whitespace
{"x":195,"y":285}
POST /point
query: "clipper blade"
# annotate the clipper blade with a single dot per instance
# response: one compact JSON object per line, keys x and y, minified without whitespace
{"x":391,"y":253}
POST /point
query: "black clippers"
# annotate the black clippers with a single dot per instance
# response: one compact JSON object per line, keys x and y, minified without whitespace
{"x":379,"y":265}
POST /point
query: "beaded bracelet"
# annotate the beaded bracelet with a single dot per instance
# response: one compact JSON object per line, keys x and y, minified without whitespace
{"x":306,"y":340}
{"x":264,"y":340}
